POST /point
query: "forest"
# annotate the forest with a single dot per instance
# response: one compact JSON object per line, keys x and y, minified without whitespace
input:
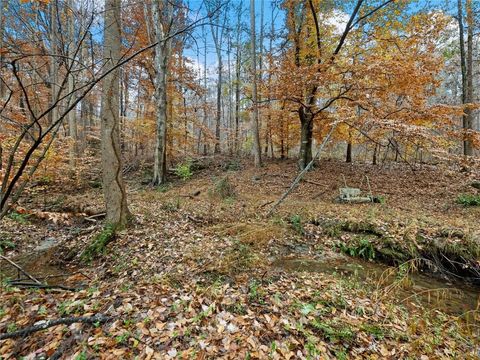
{"x":230,"y":179}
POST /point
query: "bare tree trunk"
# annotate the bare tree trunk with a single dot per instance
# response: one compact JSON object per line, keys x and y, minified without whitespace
{"x":53,"y":60}
{"x":72,"y":121}
{"x":468,"y":125}
{"x":162,"y":54}
{"x":2,"y":30}
{"x":205,"y":115}
{"x":467,"y":146}
{"x":237,"y":77}
{"x":257,"y":152}
{"x":349,"y":152}
{"x":113,"y":186}
{"x":217,"y":34}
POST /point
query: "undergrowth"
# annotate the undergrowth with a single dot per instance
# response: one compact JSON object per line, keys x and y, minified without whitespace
{"x":223,"y":189}
{"x":468,"y":200}
{"x":99,"y":244}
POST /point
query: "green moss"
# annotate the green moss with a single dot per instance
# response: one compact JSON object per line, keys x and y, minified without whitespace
{"x":99,"y":243}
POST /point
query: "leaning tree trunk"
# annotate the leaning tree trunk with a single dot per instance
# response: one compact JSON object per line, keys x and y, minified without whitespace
{"x":2,"y":30}
{"x":113,"y":186}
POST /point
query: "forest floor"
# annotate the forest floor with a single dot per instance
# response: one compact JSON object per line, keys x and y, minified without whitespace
{"x":203,"y":273}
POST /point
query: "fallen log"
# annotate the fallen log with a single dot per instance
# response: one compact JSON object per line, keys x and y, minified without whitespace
{"x":98,"y":318}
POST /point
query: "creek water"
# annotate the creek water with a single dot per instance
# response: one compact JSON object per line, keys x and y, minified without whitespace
{"x":412,"y":289}
{"x":38,"y":263}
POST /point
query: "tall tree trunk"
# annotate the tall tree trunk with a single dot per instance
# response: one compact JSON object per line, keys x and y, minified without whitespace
{"x":162,"y":54}
{"x":256,"y":133}
{"x":113,"y":185}
{"x":72,"y":121}
{"x":205,"y":115}
{"x":466,"y":64}
{"x":218,"y":116}
{"x":217,"y":34}
{"x":54,"y":88}
{"x":2,"y":30}
{"x":468,"y":120}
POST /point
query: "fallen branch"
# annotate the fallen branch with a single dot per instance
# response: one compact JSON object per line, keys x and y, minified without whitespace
{"x":304,"y":171}
{"x":312,"y":182}
{"x":98,"y":318}
{"x":94,"y":216}
{"x":40,"y":286}
{"x":20,"y":269}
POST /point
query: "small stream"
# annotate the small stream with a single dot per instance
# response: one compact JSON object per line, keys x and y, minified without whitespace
{"x":37,"y":263}
{"x":417,"y":289}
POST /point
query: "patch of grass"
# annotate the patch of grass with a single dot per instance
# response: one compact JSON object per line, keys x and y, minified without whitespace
{"x":296,"y":222}
{"x":223,"y":189}
{"x":99,"y":243}
{"x":374,"y":330}
{"x":468,"y":200}
{"x":171,"y":206}
{"x":163,"y":188}
{"x":332,"y":331}
{"x":184,"y":170}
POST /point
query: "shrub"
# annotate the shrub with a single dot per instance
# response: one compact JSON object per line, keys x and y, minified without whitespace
{"x":296,"y":222}
{"x":468,"y":200}
{"x":184,"y":170}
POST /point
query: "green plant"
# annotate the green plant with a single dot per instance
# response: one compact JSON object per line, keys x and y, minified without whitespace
{"x":122,"y":339}
{"x":99,"y":243}
{"x":82,"y":356}
{"x":255,"y":292}
{"x":468,"y":200}
{"x":6,"y":244}
{"x":184,"y":170}
{"x":20,"y":218}
{"x":362,"y":248}
{"x":224,"y":189}
{"x":11,"y":327}
{"x":296,"y":222}
{"x":333,"y":332}
{"x":374,"y":330}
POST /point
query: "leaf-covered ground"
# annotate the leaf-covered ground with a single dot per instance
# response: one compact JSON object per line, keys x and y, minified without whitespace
{"x":193,"y":277}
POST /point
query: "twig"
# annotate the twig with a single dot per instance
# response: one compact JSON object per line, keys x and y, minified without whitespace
{"x":267,"y":203}
{"x":312,"y":182}
{"x":20,"y":269}
{"x":98,"y":318}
